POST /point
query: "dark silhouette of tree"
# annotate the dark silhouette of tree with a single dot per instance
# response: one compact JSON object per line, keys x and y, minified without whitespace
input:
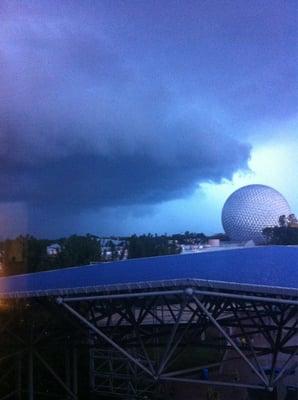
{"x":281,"y":235}
{"x":23,"y":254}
{"x":79,"y":250}
{"x":286,"y":233}
{"x":28,"y":254}
{"x":150,"y":246}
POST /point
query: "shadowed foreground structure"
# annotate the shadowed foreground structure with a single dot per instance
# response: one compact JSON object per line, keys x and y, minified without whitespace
{"x":136,"y":328}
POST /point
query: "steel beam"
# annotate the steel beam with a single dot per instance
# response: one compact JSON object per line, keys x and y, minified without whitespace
{"x":104,"y":336}
{"x":214,"y":383}
{"x":233,"y":344}
{"x":211,"y":293}
{"x":54,"y":374}
{"x":167,"y":353}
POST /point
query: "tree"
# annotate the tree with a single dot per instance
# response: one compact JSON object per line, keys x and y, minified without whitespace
{"x":28,"y":254}
{"x":23,"y":254}
{"x":283,"y":221}
{"x":150,"y":246}
{"x":80,"y":250}
{"x":281,"y":235}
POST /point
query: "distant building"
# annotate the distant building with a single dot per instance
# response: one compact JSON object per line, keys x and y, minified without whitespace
{"x":113,"y":249}
{"x":191,"y":248}
{"x":214,"y":245}
{"x":54,"y":249}
{"x":214,"y":242}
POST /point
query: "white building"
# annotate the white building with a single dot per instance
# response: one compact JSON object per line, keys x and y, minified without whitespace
{"x":54,"y":249}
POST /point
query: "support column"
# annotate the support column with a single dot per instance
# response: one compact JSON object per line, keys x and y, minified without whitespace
{"x":19,"y":376}
{"x":67,"y":369}
{"x":75,"y":371}
{"x":30,"y":375}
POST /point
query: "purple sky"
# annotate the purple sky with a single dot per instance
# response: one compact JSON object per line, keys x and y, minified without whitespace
{"x":130,"y":116}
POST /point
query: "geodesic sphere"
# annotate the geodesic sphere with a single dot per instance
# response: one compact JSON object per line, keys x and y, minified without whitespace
{"x":250,"y":209}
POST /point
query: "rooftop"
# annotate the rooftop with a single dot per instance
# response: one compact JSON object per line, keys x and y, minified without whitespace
{"x":270,"y":269}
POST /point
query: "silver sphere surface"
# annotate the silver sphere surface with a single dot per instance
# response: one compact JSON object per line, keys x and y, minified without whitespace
{"x":250,"y":209}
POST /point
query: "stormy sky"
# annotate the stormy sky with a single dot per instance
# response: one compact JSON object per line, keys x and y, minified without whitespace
{"x":134,"y":116}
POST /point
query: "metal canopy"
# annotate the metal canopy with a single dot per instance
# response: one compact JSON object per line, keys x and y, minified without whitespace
{"x":268,"y":269}
{"x":141,"y":326}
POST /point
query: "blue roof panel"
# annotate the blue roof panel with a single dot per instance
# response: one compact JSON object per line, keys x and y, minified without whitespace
{"x":263,"y":267}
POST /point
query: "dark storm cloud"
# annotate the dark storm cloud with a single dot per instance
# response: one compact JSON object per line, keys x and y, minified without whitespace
{"x":81,"y":129}
{"x":114,"y":103}
{"x":89,"y":180}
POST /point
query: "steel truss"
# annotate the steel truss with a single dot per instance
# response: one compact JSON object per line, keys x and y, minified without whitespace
{"x":38,"y":354}
{"x":154,"y":331}
{"x":141,"y":344}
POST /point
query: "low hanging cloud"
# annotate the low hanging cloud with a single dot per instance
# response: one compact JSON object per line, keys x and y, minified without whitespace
{"x":81,"y":129}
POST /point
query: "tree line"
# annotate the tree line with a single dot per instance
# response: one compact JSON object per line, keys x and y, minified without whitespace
{"x":151,"y":245}
{"x":26,"y":254}
{"x":285,"y":233}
